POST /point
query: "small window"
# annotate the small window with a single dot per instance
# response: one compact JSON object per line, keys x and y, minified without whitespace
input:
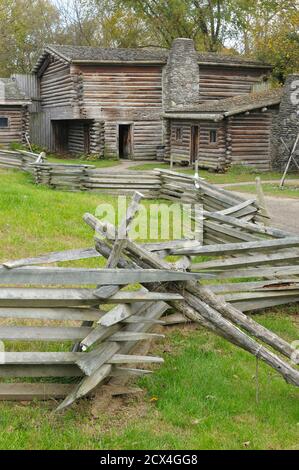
{"x":178,"y":134}
{"x":213,"y":136}
{"x":3,"y":122}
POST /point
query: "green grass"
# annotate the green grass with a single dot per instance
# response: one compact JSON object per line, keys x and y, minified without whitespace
{"x":202,"y":397}
{"x":80,"y":161}
{"x":236,"y":174}
{"x":289,"y":190}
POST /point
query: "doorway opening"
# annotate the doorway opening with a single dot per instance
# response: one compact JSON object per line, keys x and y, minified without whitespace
{"x":194,"y":144}
{"x":125,"y":141}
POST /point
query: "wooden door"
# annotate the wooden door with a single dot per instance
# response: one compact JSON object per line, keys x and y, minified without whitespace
{"x":194,"y":144}
{"x":125,"y":140}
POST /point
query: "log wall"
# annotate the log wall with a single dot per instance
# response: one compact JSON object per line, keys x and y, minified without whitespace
{"x":124,"y":95}
{"x":221,"y":82}
{"x":210,"y":155}
{"x":17,"y":125}
{"x":77,"y":144}
{"x":56,"y":85}
{"x":249,"y":137}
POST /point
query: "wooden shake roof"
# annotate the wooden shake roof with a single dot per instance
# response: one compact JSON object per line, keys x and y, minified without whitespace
{"x":219,"y":109}
{"x":96,"y":55}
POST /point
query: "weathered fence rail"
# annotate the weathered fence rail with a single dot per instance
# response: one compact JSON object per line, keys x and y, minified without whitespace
{"x":159,"y":183}
{"x":254,"y":274}
{"x":19,"y":159}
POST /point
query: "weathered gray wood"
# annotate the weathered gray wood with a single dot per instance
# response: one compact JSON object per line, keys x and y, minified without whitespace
{"x":275,"y":285}
{"x":132,"y":359}
{"x":261,"y":272}
{"x":63,"y":314}
{"x":123,"y":231}
{"x":41,"y":358}
{"x":261,"y":259}
{"x":86,"y":386}
{"x":119,"y":245}
{"x":45,"y":333}
{"x":125,"y":371}
{"x":116,"y":315}
{"x":54,"y":257}
{"x":18,"y":297}
{"x":131,"y":336}
{"x":91,"y":362}
{"x":236,"y":248}
{"x":238,"y":207}
{"x":27,"y":391}
{"x":249,"y":227}
{"x":55,"y":370}
{"x":80,"y":276}
{"x":213,"y":318}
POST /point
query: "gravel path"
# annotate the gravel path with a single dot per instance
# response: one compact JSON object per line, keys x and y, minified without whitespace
{"x":284,"y":212}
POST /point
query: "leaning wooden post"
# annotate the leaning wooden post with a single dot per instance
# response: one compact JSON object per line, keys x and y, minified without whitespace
{"x":119,"y":245}
{"x":103,"y":292}
{"x":262,"y":201}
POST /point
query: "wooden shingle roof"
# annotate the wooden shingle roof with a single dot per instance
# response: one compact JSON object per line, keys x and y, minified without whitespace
{"x":97,"y":55}
{"x":218,"y":109}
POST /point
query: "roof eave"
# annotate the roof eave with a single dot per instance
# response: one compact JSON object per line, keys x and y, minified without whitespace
{"x":239,"y":64}
{"x":194,"y":116}
{"x":118,"y":62}
{"x":244,"y":109}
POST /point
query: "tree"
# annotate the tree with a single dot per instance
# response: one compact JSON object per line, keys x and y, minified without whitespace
{"x":204,"y":21}
{"x":269,"y":32}
{"x":25,"y":26}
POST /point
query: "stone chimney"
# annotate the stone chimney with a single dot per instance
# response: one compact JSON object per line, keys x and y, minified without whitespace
{"x":181,"y":79}
{"x":287,"y":122}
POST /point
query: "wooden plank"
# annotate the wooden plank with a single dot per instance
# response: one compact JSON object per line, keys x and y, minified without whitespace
{"x":91,"y":362}
{"x":45,"y":333}
{"x":27,"y":391}
{"x":261,"y":272}
{"x":54,"y":257}
{"x":248,"y":226}
{"x":55,"y":370}
{"x":132,"y":359}
{"x":18,"y":297}
{"x":63,"y":314}
{"x":236,"y":248}
{"x":132,"y":336}
{"x":116,"y":315}
{"x":256,"y":260}
{"x":125,"y":371}
{"x":80,"y":276}
{"x":87,"y":385}
{"x":41,"y":358}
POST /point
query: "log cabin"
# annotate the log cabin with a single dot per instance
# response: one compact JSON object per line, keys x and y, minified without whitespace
{"x":218,"y":134}
{"x":112,"y":102}
{"x":14,"y":116}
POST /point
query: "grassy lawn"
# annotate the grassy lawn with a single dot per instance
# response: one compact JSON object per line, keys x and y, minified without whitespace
{"x":289,"y":190}
{"x":203,"y":397}
{"x":78,"y":161}
{"x":236,"y":174}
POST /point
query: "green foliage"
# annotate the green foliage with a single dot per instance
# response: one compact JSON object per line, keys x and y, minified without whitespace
{"x":25,"y":26}
{"x":264,"y":29}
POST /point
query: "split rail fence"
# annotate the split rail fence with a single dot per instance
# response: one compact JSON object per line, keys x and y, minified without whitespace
{"x":97,"y":317}
{"x":104,"y":340}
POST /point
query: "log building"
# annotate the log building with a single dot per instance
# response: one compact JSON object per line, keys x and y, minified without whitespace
{"x":236,"y":130}
{"x":147,"y":104}
{"x":111,"y":101}
{"x":14,"y":117}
